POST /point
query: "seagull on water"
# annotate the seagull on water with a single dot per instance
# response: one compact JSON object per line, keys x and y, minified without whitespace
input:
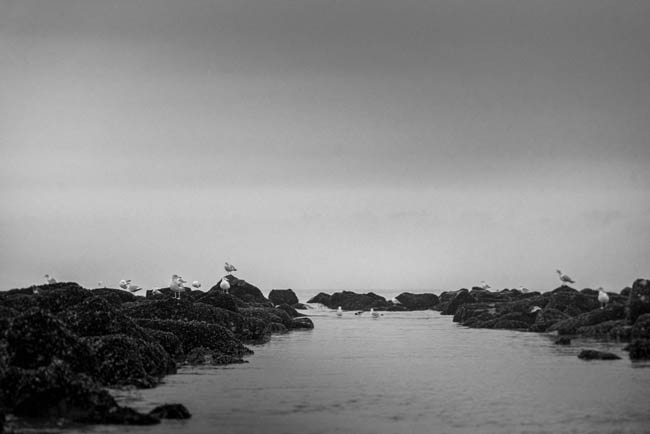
{"x":373,"y":313}
{"x":196,"y":284}
{"x":603,"y":298}
{"x":484,"y":285}
{"x":339,"y":311}
{"x":176,"y":285}
{"x":229,"y":268}
{"x":50,"y":280}
{"x":564,"y":278}
{"x":224,"y":285}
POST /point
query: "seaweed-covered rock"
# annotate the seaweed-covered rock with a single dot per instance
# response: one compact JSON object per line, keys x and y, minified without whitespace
{"x":219,"y":299}
{"x":617,"y":330}
{"x":349,"y":300}
{"x":58,"y":297}
{"x":169,"y":341}
{"x":546,"y":318}
{"x":123,"y":360}
{"x":596,"y":316}
{"x":321,"y":298}
{"x":417,"y":301}
{"x":639,"y":349}
{"x":563,"y":340}
{"x":597,"y":355}
{"x":638,"y":301}
{"x":171,"y":411}
{"x":283,"y":296}
{"x":95,"y":316}
{"x":57,"y":391}
{"x":302,"y":323}
{"x":114,"y":296}
{"x":462,"y":296}
{"x":199,"y":334}
{"x":571,"y":302}
{"x":180,"y":310}
{"x":641,"y":327}
{"x":206,"y":356}
{"x":244,"y":291}
{"x":35,"y":338}
{"x":466,"y":312}
{"x":293,"y":313}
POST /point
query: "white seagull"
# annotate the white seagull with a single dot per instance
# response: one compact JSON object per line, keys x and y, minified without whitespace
{"x":564,"y":278}
{"x":132,"y":288}
{"x":603,"y":298}
{"x":373,"y":313}
{"x":224,"y":285}
{"x":339,"y":311}
{"x":484,"y":285}
{"x":196,"y":284}
{"x":523,"y":289}
{"x":535,"y":309}
{"x":50,"y":280}
{"x":229,"y":268}
{"x":124,"y":284}
{"x":176,"y":285}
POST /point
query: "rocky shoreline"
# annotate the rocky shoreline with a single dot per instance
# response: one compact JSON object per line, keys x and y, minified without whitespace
{"x":566,"y":311}
{"x":62,"y":346}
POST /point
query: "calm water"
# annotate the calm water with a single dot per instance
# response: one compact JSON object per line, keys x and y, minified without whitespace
{"x":414,"y":372}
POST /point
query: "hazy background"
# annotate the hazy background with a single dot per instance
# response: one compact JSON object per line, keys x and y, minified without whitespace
{"x":325,"y":144}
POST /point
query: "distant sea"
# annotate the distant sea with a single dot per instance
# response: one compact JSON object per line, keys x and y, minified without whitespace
{"x":404,"y":372}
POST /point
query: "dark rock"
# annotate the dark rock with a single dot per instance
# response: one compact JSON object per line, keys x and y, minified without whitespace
{"x":641,"y":327}
{"x":461,"y":297}
{"x":169,"y":341}
{"x":123,"y":360}
{"x":349,"y":300}
{"x":625,"y":292}
{"x":321,"y":298}
{"x":56,"y":391}
{"x":639,"y":349}
{"x":466,"y":312}
{"x":418,"y":301}
{"x":58,"y":297}
{"x":597,"y":355}
{"x":219,"y":299}
{"x":115,"y":296}
{"x":283,"y":296}
{"x":244,"y":291}
{"x":95,"y":316}
{"x":563,"y":340}
{"x":171,"y":411}
{"x":571,"y":302}
{"x":617,"y":330}
{"x":302,"y":323}
{"x":546,"y":318}
{"x":293,"y":313}
{"x":596,"y":316}
{"x":35,"y":338}
{"x":301,"y":306}
{"x":180,"y":310}
{"x":199,"y":334}
{"x":638,"y":301}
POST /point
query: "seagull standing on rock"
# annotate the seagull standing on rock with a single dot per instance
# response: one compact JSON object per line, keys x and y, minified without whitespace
{"x":224,"y":285}
{"x":50,"y":280}
{"x":603,"y":298}
{"x":196,"y":284}
{"x":484,"y":285}
{"x":176,"y":286}
{"x":124,"y":284}
{"x":229,"y":268}
{"x":564,"y":278}
{"x":132,"y":288}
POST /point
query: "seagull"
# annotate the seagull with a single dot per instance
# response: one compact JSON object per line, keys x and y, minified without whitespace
{"x":535,"y":309}
{"x":564,"y":278}
{"x":50,"y":280}
{"x":484,"y":285}
{"x":124,"y":284}
{"x":132,"y":288}
{"x":373,"y":313}
{"x":523,"y":289}
{"x":339,"y":311}
{"x":603,"y":298}
{"x":176,"y":286}
{"x":359,"y":313}
{"x":224,"y":285}
{"x":196,"y":284}
{"x":229,"y":268}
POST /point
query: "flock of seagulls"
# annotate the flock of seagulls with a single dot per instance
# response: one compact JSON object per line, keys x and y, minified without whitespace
{"x":177,"y":284}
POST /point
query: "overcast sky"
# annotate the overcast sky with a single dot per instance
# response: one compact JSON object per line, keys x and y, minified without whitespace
{"x":341,"y":144}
